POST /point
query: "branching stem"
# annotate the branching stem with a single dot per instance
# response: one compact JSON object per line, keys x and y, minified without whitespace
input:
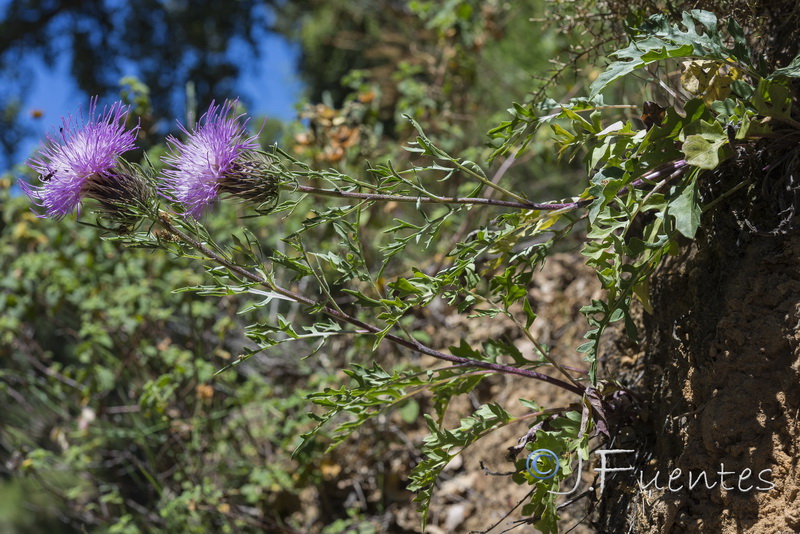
{"x":412,"y":344}
{"x":438,"y":200}
{"x":673,"y":167}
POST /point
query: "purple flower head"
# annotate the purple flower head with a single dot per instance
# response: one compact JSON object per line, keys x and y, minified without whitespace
{"x":211,"y":157}
{"x":80,"y":158}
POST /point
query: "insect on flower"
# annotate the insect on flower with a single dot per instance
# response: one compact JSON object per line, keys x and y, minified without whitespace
{"x":81,"y":161}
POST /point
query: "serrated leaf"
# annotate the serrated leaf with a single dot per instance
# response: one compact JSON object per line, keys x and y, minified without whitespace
{"x":530,"y":316}
{"x":443,"y":445}
{"x":657,"y":40}
{"x":636,"y":56}
{"x":465,"y":351}
{"x":443,"y":394}
{"x":375,"y":392}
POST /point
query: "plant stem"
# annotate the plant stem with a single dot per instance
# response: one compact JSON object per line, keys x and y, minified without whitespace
{"x":487,"y":182}
{"x":680,"y":167}
{"x":676,"y":167}
{"x":437,"y":199}
{"x":412,"y":344}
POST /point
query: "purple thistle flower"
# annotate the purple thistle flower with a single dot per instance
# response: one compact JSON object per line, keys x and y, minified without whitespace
{"x":80,"y":160}
{"x":211,"y":159}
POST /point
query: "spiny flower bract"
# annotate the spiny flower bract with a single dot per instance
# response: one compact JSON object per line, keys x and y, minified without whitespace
{"x":207,"y":158}
{"x":82,"y":153}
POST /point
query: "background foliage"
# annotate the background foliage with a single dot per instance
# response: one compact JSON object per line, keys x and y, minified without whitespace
{"x":108,"y":373}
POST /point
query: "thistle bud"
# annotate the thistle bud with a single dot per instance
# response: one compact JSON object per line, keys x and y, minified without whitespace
{"x":124,"y":194}
{"x":254,"y":179}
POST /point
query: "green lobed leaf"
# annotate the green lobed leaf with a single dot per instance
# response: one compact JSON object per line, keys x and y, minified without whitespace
{"x":658,"y":40}
{"x":701,"y":153}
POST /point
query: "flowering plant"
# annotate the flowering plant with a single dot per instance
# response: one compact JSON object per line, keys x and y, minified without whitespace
{"x":324,"y":267}
{"x":83,"y":161}
{"x":216,"y":158}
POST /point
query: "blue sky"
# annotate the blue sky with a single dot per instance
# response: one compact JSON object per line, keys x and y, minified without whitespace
{"x":270,"y":83}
